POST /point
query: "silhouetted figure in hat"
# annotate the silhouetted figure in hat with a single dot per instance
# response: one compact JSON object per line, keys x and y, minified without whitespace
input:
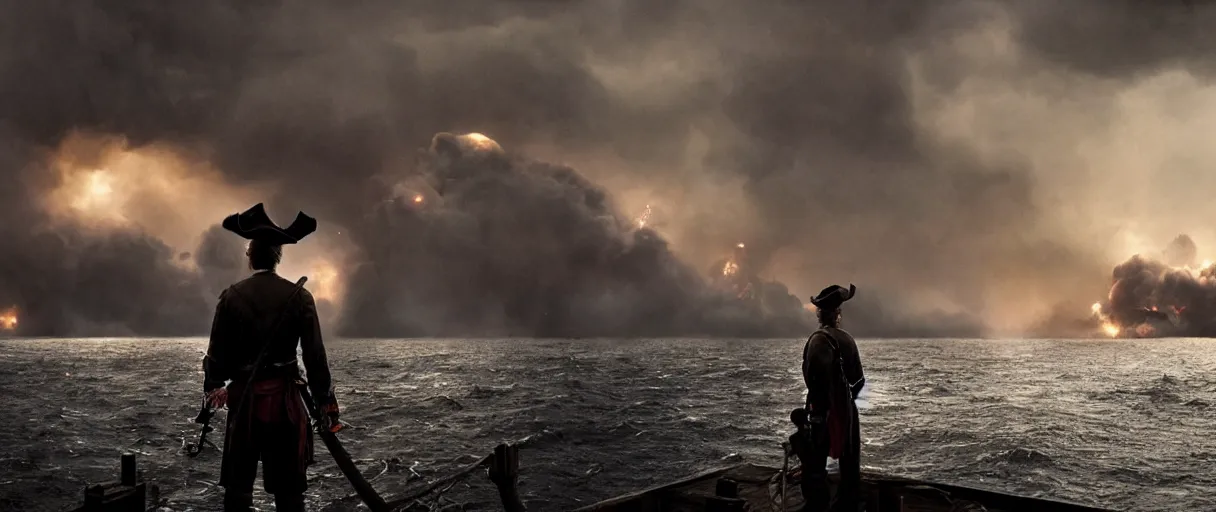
{"x":268,"y":316}
{"x":831,"y":368}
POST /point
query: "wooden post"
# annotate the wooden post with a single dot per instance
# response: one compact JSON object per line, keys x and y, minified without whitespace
{"x":727,"y":488}
{"x":128,"y":469}
{"x":726,"y":497}
{"x":504,"y":472}
{"x":127,"y":494}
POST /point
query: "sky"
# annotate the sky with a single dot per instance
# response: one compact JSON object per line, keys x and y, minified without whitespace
{"x":977,"y":168}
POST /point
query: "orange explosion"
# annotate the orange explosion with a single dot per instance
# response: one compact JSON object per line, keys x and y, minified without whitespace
{"x":1111,"y":328}
{"x":8,"y":319}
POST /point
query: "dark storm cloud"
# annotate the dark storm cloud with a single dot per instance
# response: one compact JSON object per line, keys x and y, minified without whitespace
{"x":1121,"y":37}
{"x":805,"y":102}
{"x":220,"y":259}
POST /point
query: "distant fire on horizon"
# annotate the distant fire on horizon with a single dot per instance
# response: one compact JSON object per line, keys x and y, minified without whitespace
{"x":1170,"y":294}
{"x":9,"y":319}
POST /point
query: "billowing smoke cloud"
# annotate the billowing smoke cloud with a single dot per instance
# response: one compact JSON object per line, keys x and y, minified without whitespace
{"x":1171,"y":295}
{"x":488,"y":244}
{"x":966,"y":163}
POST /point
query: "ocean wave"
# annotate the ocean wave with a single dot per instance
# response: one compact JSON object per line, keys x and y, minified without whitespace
{"x":1122,"y":424}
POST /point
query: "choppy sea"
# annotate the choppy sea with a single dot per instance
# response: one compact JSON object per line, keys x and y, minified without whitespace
{"x":1123,"y":424}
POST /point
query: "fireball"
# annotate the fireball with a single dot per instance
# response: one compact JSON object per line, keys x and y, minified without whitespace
{"x":730,"y":268}
{"x":8,"y":319}
{"x":480,"y":142}
{"x":1110,"y":329}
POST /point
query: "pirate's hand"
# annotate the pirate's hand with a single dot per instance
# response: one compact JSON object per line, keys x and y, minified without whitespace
{"x":330,"y":417}
{"x":218,"y":398}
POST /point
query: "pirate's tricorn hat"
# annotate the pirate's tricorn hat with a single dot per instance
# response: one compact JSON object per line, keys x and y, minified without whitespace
{"x":833,"y":296}
{"x":254,"y":224}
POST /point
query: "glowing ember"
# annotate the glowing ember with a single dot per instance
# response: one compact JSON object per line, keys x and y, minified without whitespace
{"x":8,"y":319}
{"x":645,"y":217}
{"x":418,"y":198}
{"x":730,"y":268}
{"x":740,"y":245}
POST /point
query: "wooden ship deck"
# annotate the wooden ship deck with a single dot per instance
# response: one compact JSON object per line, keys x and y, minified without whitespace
{"x":743,"y":487}
{"x":758,"y":488}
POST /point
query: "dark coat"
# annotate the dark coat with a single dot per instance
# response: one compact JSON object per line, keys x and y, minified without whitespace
{"x":831,"y":369}
{"x":272,"y":425}
{"x":246,"y":311}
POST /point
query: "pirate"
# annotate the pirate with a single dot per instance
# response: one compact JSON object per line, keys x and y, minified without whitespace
{"x":831,"y":368}
{"x":251,"y":367}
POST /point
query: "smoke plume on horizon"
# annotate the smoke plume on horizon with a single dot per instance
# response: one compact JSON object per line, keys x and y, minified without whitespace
{"x":976,"y":167}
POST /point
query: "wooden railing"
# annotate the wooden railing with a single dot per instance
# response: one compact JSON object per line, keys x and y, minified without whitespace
{"x":127,"y":494}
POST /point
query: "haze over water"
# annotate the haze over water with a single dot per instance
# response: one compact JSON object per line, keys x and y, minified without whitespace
{"x":1125,"y":424}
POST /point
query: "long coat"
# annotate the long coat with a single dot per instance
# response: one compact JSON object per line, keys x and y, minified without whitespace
{"x":244,"y":317}
{"x":831,"y":369}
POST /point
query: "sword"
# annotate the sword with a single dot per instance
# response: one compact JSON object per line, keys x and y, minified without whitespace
{"x":204,"y":417}
{"x":329,"y":435}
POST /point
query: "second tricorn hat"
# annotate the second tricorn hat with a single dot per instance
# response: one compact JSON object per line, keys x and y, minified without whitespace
{"x":833,"y":296}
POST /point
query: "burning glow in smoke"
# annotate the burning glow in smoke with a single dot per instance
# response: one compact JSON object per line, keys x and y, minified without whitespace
{"x":8,"y":319}
{"x":325,"y":277}
{"x":418,"y":198}
{"x":97,"y":192}
{"x":645,"y":217}
{"x":1108,"y":327}
{"x":737,"y":277}
{"x":1171,"y":296}
{"x":89,"y":195}
{"x":104,"y":183}
{"x":480,"y":142}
